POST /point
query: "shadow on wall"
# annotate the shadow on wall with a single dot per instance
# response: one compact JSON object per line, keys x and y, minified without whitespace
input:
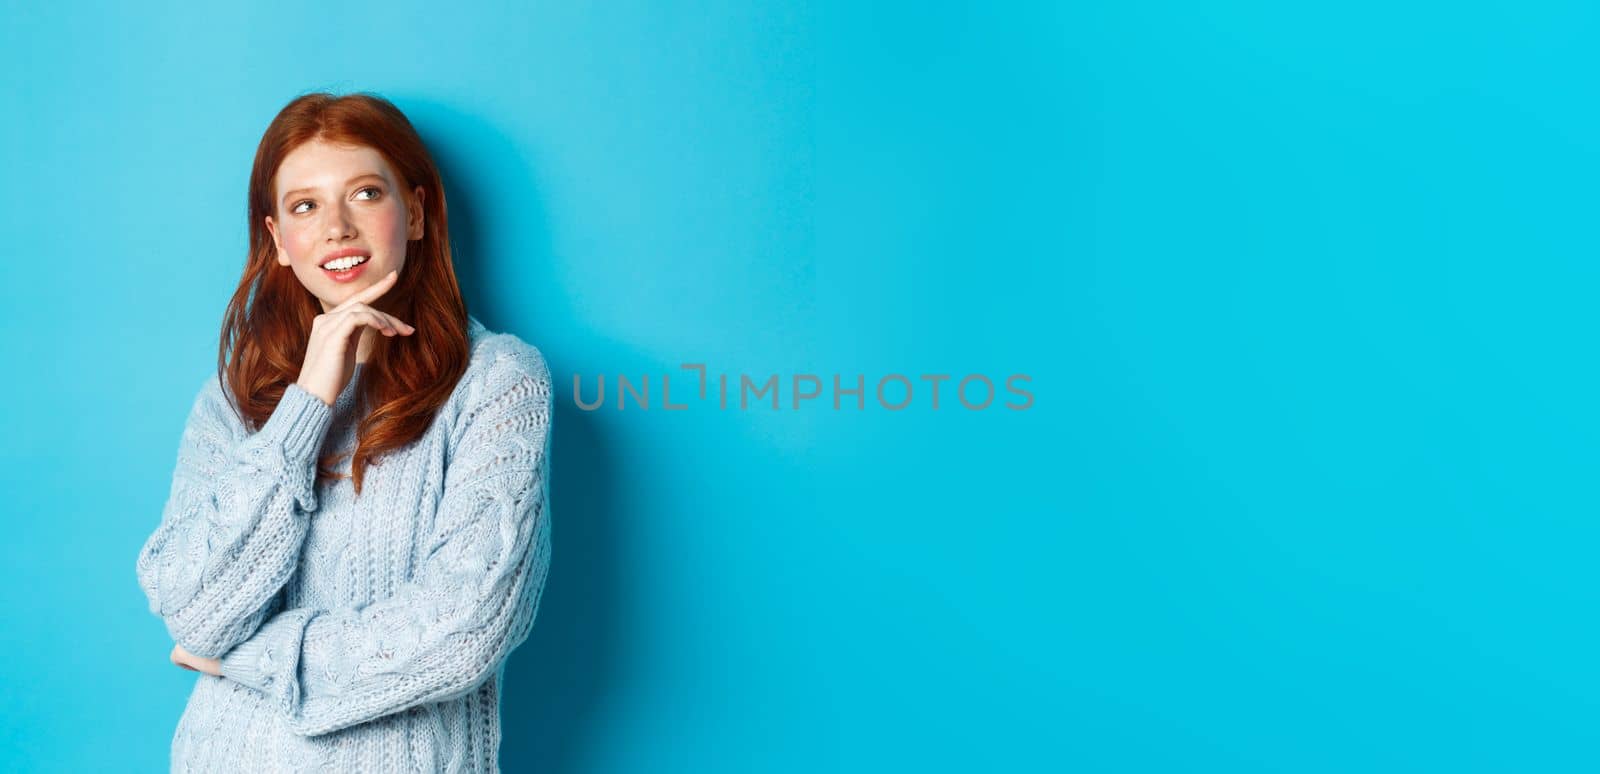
{"x":555,"y":680}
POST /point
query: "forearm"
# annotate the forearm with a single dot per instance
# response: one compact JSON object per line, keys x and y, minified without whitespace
{"x":232,"y":529}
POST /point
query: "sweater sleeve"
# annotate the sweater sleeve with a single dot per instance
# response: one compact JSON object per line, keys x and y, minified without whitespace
{"x":234,"y":520}
{"x":472,"y":599}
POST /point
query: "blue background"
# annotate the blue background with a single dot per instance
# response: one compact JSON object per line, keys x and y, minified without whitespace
{"x":1305,"y":295}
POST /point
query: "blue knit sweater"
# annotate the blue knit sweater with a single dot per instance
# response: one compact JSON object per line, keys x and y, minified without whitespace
{"x":356,"y":633}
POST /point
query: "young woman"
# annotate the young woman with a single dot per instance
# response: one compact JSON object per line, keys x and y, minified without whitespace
{"x":357,"y":533}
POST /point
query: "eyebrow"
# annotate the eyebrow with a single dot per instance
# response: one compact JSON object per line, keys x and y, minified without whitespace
{"x":351,"y":181}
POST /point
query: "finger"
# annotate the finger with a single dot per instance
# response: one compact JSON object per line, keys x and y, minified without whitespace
{"x":373,"y":318}
{"x":387,"y":320}
{"x":371,"y":293}
{"x":355,"y":318}
{"x":400,"y":326}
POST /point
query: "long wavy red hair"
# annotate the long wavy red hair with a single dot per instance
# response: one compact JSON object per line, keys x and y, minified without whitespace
{"x":268,"y":321}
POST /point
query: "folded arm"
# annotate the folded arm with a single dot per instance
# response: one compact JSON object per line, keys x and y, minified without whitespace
{"x":235,"y":518}
{"x":472,"y":600}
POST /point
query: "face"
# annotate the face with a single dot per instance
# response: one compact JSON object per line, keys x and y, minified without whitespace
{"x":336,"y":199}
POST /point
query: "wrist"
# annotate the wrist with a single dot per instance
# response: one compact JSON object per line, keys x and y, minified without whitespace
{"x":318,"y":394}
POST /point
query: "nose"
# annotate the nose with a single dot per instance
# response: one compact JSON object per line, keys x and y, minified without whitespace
{"x":340,"y":226}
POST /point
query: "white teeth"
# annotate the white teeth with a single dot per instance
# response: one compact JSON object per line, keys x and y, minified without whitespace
{"x":340,"y":264}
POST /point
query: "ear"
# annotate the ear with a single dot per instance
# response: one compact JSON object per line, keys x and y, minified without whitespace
{"x":414,"y":219}
{"x":283,"y":257}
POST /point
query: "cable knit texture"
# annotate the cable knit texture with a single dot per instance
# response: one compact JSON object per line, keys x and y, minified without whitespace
{"x":359,"y":634}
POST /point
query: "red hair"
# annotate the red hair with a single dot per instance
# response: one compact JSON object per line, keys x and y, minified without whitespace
{"x":268,"y":322}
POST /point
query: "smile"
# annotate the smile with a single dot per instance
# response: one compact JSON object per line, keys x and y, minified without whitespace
{"x":345,"y":263}
{"x":354,"y":266}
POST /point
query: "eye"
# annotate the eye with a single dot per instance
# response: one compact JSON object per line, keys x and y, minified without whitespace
{"x":374,"y":189}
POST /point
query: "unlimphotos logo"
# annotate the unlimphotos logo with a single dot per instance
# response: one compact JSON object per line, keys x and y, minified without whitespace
{"x":894,"y":392}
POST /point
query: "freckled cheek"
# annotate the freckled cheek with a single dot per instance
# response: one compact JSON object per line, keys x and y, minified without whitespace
{"x":300,"y":246}
{"x":387,"y":222}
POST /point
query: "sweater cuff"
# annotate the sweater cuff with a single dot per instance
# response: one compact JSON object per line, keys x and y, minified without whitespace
{"x":263,"y":661}
{"x":300,"y":422}
{"x":248,"y":664}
